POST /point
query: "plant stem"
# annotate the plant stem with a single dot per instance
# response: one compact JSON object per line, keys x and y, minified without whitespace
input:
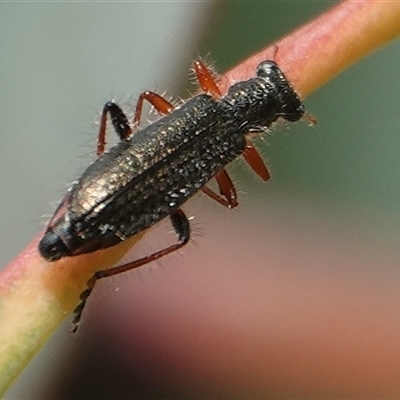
{"x":36,"y":296}
{"x":316,"y":52}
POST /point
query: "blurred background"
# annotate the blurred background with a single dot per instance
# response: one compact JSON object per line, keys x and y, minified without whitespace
{"x":293,"y":294}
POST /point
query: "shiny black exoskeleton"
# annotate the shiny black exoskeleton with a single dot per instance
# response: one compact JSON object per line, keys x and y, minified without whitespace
{"x":150,"y":174}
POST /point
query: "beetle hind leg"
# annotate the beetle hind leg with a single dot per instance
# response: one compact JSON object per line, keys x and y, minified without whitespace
{"x":181,"y":226}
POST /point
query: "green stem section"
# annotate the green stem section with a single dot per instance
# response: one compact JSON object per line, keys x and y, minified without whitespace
{"x":36,"y":296}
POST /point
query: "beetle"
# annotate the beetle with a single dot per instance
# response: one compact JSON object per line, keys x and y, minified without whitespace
{"x":153,"y":171}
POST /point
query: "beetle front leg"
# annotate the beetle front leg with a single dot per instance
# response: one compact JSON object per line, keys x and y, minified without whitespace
{"x":255,"y":161}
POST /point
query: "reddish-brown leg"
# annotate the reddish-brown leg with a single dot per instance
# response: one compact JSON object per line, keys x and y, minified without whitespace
{"x":256,"y":162}
{"x":206,"y":79}
{"x":182,"y":228}
{"x":162,"y":105}
{"x":226,"y":188}
{"x":120,"y":121}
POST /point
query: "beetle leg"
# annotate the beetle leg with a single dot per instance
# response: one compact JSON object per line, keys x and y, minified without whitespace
{"x":119,"y":122}
{"x":226,"y":189}
{"x":162,"y":105}
{"x":182,"y":227}
{"x":206,"y":79}
{"x":256,"y":162}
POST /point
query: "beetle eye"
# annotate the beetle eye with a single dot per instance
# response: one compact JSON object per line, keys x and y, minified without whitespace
{"x":267,"y":69}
